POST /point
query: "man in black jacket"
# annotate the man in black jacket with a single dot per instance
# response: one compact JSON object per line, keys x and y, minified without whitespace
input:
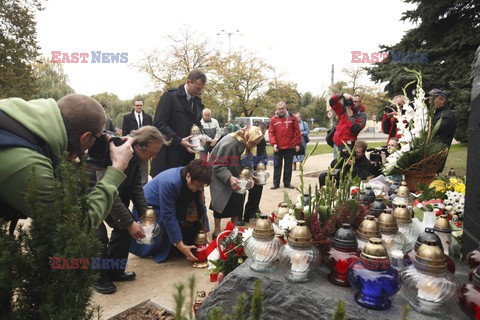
{"x":135,"y":120}
{"x":178,"y":110}
{"x":361,"y":165}
{"x":148,"y":142}
{"x":448,"y":123}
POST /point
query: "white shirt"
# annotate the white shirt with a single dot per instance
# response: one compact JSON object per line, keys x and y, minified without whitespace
{"x":141,"y":118}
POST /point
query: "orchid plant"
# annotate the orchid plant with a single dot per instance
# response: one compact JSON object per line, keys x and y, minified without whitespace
{"x":415,"y":130}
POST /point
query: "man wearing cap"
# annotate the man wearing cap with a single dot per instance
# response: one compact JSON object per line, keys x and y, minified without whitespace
{"x":442,"y":111}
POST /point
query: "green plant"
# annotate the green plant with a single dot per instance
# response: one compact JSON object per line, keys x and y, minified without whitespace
{"x":340,"y":313}
{"x":33,"y":290}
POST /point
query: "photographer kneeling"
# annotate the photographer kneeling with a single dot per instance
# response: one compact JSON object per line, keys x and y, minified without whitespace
{"x":361,"y":165}
{"x":148,"y":142}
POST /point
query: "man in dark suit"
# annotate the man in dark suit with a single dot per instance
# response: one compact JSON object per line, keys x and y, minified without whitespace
{"x":133,"y":121}
{"x":178,"y":110}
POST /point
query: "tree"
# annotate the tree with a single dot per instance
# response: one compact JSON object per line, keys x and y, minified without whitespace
{"x":18,"y":47}
{"x":51,"y":81}
{"x":447,"y":31}
{"x":116,"y":108}
{"x":187,"y":51}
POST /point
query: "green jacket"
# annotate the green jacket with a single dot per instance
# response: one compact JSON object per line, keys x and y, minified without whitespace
{"x":42,"y":117}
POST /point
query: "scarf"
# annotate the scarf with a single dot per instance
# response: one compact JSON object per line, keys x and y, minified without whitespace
{"x":246,"y":135}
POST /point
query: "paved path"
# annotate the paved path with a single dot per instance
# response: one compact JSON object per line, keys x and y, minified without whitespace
{"x":156,"y":281}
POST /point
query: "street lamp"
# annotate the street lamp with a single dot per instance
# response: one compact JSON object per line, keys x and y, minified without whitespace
{"x":229,"y":34}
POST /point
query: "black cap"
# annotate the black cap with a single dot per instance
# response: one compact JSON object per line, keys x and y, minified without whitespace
{"x":345,"y":237}
{"x":437,"y":92}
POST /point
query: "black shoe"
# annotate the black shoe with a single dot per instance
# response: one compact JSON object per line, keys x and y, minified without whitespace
{"x":289,"y":186}
{"x":127,"y":276}
{"x":105,"y":287}
{"x":274,"y":187}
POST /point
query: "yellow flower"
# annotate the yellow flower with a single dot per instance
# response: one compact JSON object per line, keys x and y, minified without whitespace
{"x":460,"y":188}
{"x":454,"y":181}
{"x":439,"y":185}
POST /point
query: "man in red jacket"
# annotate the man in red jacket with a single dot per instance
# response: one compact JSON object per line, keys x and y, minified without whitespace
{"x":285,"y":138}
{"x":351,"y":118}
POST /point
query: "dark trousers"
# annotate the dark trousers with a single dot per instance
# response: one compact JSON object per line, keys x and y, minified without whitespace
{"x":253,"y":202}
{"x":116,"y":248}
{"x":281,"y":155}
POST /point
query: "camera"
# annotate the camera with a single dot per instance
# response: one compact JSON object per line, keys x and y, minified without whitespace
{"x":99,"y":153}
{"x":376,"y":159}
{"x":345,"y":154}
{"x":391,"y":108}
{"x":347,"y":103}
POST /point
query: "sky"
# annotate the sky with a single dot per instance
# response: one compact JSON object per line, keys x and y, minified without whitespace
{"x":300,"y":39}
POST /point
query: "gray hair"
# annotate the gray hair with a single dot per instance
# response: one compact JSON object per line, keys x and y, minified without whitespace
{"x":147,"y":134}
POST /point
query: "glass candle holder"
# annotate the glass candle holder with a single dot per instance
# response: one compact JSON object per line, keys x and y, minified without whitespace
{"x":367,"y":229}
{"x":200,"y":252}
{"x":473,"y":258}
{"x":244,"y":181}
{"x":444,"y":231}
{"x":393,"y":240}
{"x":369,"y":196}
{"x":150,"y":227}
{"x":299,"y":253}
{"x":261,"y":174}
{"x":405,"y":226}
{"x":282,"y":210}
{"x":377,"y":207}
{"x":428,"y":234}
{"x":342,"y":253}
{"x":402,"y":197}
{"x":374,"y":280}
{"x":262,"y":247}
{"x":469,"y":296}
{"x":196,"y":139}
{"x":428,"y":285}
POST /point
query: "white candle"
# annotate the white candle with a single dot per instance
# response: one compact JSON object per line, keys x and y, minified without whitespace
{"x":299,"y":262}
{"x":428,"y":289}
{"x":262,"y":253}
{"x":397,"y":259}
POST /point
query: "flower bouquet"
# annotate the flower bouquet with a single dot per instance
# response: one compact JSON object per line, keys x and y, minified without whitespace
{"x":420,"y":155}
{"x":226,"y":252}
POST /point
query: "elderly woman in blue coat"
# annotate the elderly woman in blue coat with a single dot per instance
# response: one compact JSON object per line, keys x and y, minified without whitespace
{"x":178,"y":199}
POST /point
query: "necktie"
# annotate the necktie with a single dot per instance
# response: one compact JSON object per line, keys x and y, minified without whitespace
{"x":190,"y":103}
{"x":139,"y":122}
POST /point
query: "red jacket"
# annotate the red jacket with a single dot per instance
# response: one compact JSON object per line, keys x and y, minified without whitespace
{"x":284,"y":132}
{"x":348,"y":128}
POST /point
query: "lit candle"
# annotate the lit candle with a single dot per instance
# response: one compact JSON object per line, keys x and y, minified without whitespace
{"x":397,"y":259}
{"x":428,"y":290}
{"x":299,"y":262}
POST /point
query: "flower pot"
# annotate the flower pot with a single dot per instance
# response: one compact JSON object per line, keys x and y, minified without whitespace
{"x":414,"y":179}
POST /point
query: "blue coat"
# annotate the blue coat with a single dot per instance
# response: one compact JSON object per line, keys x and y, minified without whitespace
{"x":162,"y":193}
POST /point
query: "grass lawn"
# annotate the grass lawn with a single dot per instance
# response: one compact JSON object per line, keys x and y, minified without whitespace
{"x":457,"y":159}
{"x":325,"y":148}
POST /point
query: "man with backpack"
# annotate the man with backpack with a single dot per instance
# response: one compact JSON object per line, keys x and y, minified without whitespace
{"x":285,"y":138}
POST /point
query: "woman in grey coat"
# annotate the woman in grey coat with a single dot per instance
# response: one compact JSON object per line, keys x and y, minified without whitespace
{"x":227,"y":159}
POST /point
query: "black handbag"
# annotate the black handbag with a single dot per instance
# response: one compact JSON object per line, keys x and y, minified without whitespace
{"x":329,"y":137}
{"x":300,"y":152}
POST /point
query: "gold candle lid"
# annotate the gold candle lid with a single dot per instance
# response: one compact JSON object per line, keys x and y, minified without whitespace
{"x":245,"y":174}
{"x":201,"y":238}
{"x":402,"y":215}
{"x":261,"y":167}
{"x":300,"y":236}
{"x":429,"y":258}
{"x":403,"y":190}
{"x":150,"y":214}
{"x":442,"y":224}
{"x":263,"y":229}
{"x":374,"y":249}
{"x":368,"y":228}
{"x":387,"y":222}
{"x":282,"y":210}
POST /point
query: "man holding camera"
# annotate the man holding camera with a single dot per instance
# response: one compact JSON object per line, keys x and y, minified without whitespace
{"x":351,"y":118}
{"x":389,"y":122}
{"x":178,"y":110}
{"x":148,"y":142}
{"x":35,"y":134}
{"x":361,"y":165}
